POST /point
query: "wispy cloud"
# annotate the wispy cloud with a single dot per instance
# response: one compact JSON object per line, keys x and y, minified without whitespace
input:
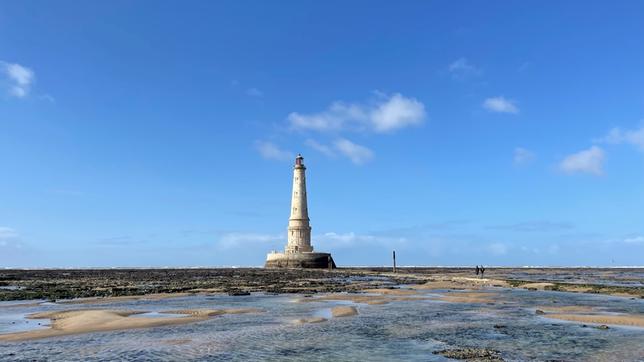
{"x":534,"y":226}
{"x":120,"y":241}
{"x":356,"y":153}
{"x":500,"y":105}
{"x":20,"y":78}
{"x":498,"y":248}
{"x":351,"y":239}
{"x":243,"y":239}
{"x":270,"y":151}
{"x":254,"y":92}
{"x":8,"y":233}
{"x":638,"y":239}
{"x":523,"y":156}
{"x":385,"y":114}
{"x":323,"y":149}
{"x":461,"y":69}
{"x":9,"y":238}
{"x":633,"y":137}
{"x":587,"y":161}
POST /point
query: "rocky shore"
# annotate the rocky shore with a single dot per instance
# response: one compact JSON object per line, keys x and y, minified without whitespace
{"x":55,"y":284}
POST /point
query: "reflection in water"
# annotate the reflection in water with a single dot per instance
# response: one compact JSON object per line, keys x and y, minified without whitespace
{"x":403,"y":330}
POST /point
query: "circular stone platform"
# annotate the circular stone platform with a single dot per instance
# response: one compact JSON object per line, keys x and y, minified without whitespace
{"x":299,"y":260}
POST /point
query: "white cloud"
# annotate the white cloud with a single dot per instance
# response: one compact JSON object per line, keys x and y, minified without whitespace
{"x":397,"y":112}
{"x":339,"y":240}
{"x":254,"y":92}
{"x":386,"y":114}
{"x":20,"y":78}
{"x":9,"y":238}
{"x":462,"y":69}
{"x":586,"y":161}
{"x":337,"y":117}
{"x":8,"y":233}
{"x":270,"y":151}
{"x":523,"y":156}
{"x":324,"y":149}
{"x":237,"y":239}
{"x":497,"y":248}
{"x":356,"y":153}
{"x":633,"y":137}
{"x":500,"y":105}
{"x":635,"y":240}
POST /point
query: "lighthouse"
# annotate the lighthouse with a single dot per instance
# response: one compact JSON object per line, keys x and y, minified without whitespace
{"x":298,"y":252}
{"x":299,"y":230}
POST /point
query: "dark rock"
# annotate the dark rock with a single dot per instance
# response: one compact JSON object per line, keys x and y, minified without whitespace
{"x":238,"y":293}
{"x":500,"y":326}
{"x":539,"y":312}
{"x":471,"y":354}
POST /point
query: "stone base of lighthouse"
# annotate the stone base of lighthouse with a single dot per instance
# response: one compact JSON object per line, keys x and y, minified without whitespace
{"x":299,"y":260}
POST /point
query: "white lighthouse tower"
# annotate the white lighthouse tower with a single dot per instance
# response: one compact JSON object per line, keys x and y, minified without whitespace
{"x":298,"y":252}
{"x":299,"y":230}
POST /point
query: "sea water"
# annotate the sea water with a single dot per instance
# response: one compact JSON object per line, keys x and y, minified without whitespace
{"x":400,"y":330}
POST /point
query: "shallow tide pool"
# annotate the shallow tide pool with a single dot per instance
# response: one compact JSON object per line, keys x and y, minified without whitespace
{"x":408,"y":330}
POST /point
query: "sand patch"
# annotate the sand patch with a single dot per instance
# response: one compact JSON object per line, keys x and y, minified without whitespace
{"x":568,"y":309}
{"x":344,"y":311}
{"x":537,"y":286}
{"x":461,"y":283}
{"x":468,"y":297}
{"x":484,"y":282}
{"x":212,"y":312}
{"x":87,"y":321}
{"x":621,"y":320}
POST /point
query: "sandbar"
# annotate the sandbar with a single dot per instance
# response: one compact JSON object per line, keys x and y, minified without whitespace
{"x":621,"y":320}
{"x":344,"y":311}
{"x":87,"y":321}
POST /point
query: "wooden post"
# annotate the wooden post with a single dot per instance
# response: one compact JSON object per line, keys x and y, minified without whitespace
{"x":394,"y":254}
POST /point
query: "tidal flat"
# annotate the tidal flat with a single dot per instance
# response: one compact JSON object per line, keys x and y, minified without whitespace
{"x":424,"y":314}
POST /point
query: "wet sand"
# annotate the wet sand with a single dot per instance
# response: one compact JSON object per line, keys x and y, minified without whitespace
{"x":101,"y":320}
{"x":212,"y":312}
{"x":344,"y":311}
{"x":468,"y":297}
{"x":87,"y":321}
{"x":609,"y":319}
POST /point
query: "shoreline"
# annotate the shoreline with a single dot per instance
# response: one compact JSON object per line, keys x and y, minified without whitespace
{"x":96,"y":285}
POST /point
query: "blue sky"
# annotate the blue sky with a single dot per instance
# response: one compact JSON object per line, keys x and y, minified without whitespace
{"x":457,"y":133}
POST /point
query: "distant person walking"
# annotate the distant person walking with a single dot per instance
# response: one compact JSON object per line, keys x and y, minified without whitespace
{"x":482,"y":271}
{"x":477,"y":270}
